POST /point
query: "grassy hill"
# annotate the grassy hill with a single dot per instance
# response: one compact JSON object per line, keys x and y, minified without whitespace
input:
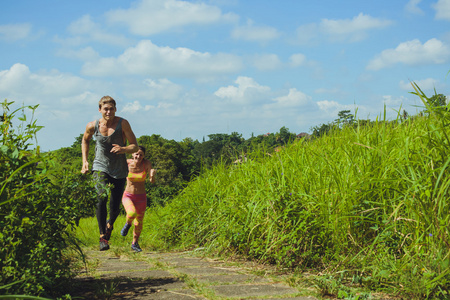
{"x":365,"y":205}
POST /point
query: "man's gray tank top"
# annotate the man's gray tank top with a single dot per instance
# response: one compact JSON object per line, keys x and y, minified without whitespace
{"x":115,"y":165}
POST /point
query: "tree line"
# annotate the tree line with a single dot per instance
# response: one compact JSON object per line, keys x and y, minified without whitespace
{"x":178,"y":162}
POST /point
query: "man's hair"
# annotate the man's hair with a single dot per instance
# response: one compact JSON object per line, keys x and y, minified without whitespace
{"x":106,"y":100}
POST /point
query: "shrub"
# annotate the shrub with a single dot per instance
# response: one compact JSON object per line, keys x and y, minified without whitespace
{"x":38,"y":207}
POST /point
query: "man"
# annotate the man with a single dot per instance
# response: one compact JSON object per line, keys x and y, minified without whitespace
{"x":110,"y":164}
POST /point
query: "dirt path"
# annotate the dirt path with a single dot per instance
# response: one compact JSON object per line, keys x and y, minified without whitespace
{"x":177,"y":276}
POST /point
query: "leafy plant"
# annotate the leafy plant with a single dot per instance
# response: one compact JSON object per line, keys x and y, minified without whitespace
{"x":37,"y":210}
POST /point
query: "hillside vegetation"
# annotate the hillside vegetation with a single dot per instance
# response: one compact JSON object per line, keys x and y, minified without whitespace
{"x":362,"y":205}
{"x":365,"y":205}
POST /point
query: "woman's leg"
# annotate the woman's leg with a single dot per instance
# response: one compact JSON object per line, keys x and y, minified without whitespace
{"x":130,"y":209}
{"x":140,"y":204}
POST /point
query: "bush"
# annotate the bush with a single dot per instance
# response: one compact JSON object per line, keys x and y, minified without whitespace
{"x":38,"y":207}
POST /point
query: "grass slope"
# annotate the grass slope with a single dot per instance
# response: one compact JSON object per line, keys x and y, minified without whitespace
{"x":368,"y":202}
{"x":363,"y":206}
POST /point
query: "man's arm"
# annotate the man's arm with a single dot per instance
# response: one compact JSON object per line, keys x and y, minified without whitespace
{"x":87,"y":136}
{"x":130,"y":137}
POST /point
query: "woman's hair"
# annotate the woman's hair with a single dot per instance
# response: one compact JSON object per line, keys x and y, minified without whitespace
{"x":142,"y":148}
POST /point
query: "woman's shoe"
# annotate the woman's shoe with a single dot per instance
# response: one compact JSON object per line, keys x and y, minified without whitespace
{"x":135,"y":247}
{"x":125,"y":229}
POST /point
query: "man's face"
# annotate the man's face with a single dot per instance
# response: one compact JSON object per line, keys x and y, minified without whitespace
{"x":108,"y":111}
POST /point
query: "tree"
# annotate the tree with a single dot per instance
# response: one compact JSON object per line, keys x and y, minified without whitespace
{"x":345,"y":118}
{"x":318,"y":131}
{"x":175,"y":163}
{"x":285,"y":136}
{"x":438,"y":100}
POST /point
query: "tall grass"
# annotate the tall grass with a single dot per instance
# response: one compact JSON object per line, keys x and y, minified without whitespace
{"x":372,"y":199}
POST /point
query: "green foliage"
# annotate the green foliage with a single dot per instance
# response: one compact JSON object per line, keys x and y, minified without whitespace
{"x":174,"y":163}
{"x":71,"y":157}
{"x":345,"y":119}
{"x":371,"y":197}
{"x":177,"y":163}
{"x":318,"y":131}
{"x":38,"y":207}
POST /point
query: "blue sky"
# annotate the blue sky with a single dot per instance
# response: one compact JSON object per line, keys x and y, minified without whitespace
{"x":193,"y":68}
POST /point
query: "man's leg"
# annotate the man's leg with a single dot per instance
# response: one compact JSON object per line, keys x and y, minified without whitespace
{"x":102,"y":198}
{"x":101,"y":211}
{"x":116,"y":199}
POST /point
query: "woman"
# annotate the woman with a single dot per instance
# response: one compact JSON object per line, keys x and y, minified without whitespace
{"x":134,"y":198}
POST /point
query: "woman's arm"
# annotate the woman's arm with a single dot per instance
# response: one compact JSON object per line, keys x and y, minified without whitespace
{"x":151,"y":172}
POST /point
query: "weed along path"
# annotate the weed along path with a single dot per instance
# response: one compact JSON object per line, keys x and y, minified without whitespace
{"x":175,"y":276}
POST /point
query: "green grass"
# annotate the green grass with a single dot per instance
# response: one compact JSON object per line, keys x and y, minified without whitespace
{"x":367,"y":200}
{"x":88,"y":234}
{"x":366,"y":207}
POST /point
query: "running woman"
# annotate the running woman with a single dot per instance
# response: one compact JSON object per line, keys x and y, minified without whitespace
{"x":134,"y":197}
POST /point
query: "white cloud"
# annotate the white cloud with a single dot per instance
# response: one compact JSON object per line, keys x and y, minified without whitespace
{"x":15,"y":32}
{"x":266,"y":62}
{"x":147,"y":17}
{"x":352,"y":30}
{"x":308,"y":34}
{"x":393,"y":102}
{"x":329,"y":105}
{"x":134,"y":107}
{"x":442,"y":8}
{"x":413,"y":7}
{"x":354,"y":27}
{"x":64,"y":101}
{"x":162,"y":107}
{"x":327,"y":91}
{"x":85,"y":98}
{"x":255,"y":33}
{"x":330,"y":109}
{"x":53,"y":83}
{"x":150,"y":90}
{"x":293,"y":99}
{"x":255,"y":108}
{"x":85,"y":54}
{"x":149,"y":59}
{"x":412,"y":53}
{"x":297,"y":59}
{"x":246,"y":91}
{"x":424,"y":84}
{"x":85,"y":30}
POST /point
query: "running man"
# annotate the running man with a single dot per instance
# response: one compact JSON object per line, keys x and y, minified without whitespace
{"x":110,"y":164}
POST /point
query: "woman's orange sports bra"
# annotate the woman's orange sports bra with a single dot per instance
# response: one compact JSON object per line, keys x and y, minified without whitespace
{"x":137,"y":177}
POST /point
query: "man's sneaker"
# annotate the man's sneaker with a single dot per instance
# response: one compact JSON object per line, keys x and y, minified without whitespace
{"x":108,"y":232}
{"x":125,"y":229}
{"x":104,"y":244}
{"x":135,"y":247}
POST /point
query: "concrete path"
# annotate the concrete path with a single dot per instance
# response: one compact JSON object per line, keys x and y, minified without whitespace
{"x":175,"y":276}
